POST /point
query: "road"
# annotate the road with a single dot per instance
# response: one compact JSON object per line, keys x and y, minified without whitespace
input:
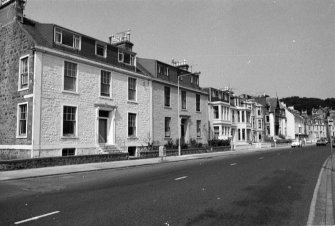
{"x":261,"y":188}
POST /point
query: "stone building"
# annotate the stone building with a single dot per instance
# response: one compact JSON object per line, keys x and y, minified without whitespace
{"x":164,"y":102}
{"x":65,"y":93}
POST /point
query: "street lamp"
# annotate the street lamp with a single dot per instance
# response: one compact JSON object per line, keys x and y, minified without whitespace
{"x":179,"y":132}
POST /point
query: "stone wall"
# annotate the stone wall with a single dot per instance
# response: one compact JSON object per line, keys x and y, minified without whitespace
{"x":14,"y":43}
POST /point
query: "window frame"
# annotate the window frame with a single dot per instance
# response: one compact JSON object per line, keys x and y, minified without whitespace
{"x":197,"y":102}
{"x":183,"y":102}
{"x":135,"y":89}
{"x":165,"y":96}
{"x":167,"y":128}
{"x":135,"y":133}
{"x":69,"y":136}
{"x":75,"y":37}
{"x":104,"y":46}
{"x":214,"y":112}
{"x":77,"y":72}
{"x":18,"y":120}
{"x":110,"y":84}
{"x":199,"y":128}
{"x":20,"y":88}
{"x":67,"y":149}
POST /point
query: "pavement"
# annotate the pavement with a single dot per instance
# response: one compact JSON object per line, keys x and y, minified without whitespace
{"x":321,"y":208}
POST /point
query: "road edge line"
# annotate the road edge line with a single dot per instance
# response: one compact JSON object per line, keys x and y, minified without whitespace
{"x":311,"y":215}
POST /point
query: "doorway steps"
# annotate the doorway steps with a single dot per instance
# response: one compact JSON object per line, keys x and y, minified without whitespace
{"x":108,"y":148}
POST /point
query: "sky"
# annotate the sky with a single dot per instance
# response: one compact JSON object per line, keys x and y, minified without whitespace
{"x":278,"y":47}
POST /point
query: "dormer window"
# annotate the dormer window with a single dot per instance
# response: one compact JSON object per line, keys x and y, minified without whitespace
{"x":125,"y":57}
{"x":66,"y":38}
{"x":100,"y":49}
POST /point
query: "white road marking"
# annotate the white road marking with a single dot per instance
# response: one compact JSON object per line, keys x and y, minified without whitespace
{"x":36,"y":218}
{"x":233,"y":164}
{"x":180,"y":178}
{"x":261,"y":157}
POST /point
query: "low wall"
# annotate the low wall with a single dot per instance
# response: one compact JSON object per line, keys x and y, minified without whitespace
{"x":58,"y":161}
{"x":189,"y":151}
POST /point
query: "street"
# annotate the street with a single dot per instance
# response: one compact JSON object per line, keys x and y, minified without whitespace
{"x":260,"y":188}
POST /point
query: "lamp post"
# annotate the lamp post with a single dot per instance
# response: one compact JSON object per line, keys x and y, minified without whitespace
{"x":179,"y":132}
{"x":330,"y":123}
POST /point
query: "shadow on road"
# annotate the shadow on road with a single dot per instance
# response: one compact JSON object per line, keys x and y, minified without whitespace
{"x":267,"y":203}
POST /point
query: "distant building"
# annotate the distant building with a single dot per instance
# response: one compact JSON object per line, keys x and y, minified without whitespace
{"x":295,"y":124}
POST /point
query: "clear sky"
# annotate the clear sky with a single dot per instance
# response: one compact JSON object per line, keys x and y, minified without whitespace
{"x":253,"y":46}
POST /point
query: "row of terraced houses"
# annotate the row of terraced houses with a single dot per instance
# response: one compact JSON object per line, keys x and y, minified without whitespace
{"x":65,"y":93}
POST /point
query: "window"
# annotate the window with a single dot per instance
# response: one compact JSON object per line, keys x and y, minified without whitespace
{"x":105,"y":86}
{"x":216,"y":112}
{"x":198,"y":128}
{"x":69,"y":120}
{"x":167,"y":71}
{"x":131,"y":88}
{"x":183,"y":100}
{"x":259,"y":112}
{"x":22,"y":117}
{"x":100,"y":50}
{"x":243,"y":119}
{"x":267,"y":118}
{"x":159,"y":69}
{"x":259,"y":124}
{"x":131,"y":125}
{"x":70,"y":76}
{"x":243,"y":134}
{"x":197,"y":104}
{"x":68,"y":151}
{"x":196,"y":80}
{"x":216,"y":132}
{"x":167,"y":127}
{"x":239,"y":134}
{"x":167,"y":96}
{"x":126,"y":58}
{"x":67,"y":38}
{"x":23,"y":73}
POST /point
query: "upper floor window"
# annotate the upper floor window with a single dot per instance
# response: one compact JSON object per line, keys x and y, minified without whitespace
{"x":70,"y":76}
{"x":267,"y":118}
{"x":167,"y":96}
{"x":260,"y":123}
{"x":23,"y":73}
{"x":100,"y":49}
{"x":197,"y":104}
{"x":131,"y":88}
{"x":67,"y":38}
{"x":125,"y":57}
{"x":216,"y":112}
{"x":22,"y":118}
{"x":105,"y":86}
{"x":259,"y":112}
{"x":183,"y":100}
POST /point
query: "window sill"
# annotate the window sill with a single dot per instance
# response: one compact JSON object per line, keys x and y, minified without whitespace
{"x":69,"y":137}
{"x":70,"y":92}
{"x":21,"y":137}
{"x":167,"y":138}
{"x":100,"y":56}
{"x":105,"y":97}
{"x":167,"y":107}
{"x":19,"y":90}
{"x":132,"y":138}
{"x":132,"y":102}
{"x":198,"y":112}
{"x":199,"y":138}
{"x":183,"y":109}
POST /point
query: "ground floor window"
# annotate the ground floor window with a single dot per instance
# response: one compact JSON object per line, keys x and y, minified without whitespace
{"x":198,"y":128}
{"x":68,"y":151}
{"x":243,"y":134}
{"x":131,"y":151}
{"x":131,"y":124}
{"x":216,"y":132}
{"x":167,"y":127}
{"x":22,"y":119}
{"x":69,"y":120}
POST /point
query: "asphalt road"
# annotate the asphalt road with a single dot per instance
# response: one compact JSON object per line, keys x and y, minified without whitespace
{"x":272,"y":188}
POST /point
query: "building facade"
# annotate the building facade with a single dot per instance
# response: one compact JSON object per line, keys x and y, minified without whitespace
{"x":64,"y":93}
{"x":193,"y":117}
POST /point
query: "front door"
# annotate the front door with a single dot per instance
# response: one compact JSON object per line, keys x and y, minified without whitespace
{"x":102,"y":130}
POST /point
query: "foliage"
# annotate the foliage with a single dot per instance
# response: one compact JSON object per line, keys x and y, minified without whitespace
{"x":216,"y":143}
{"x":283,"y":141}
{"x":194,"y":144}
{"x":305,"y":103}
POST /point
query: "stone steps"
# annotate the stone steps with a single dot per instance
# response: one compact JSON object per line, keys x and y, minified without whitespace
{"x":109,"y":148}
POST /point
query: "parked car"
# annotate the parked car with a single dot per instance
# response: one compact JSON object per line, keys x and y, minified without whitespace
{"x":296,"y":143}
{"x":321,"y":141}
